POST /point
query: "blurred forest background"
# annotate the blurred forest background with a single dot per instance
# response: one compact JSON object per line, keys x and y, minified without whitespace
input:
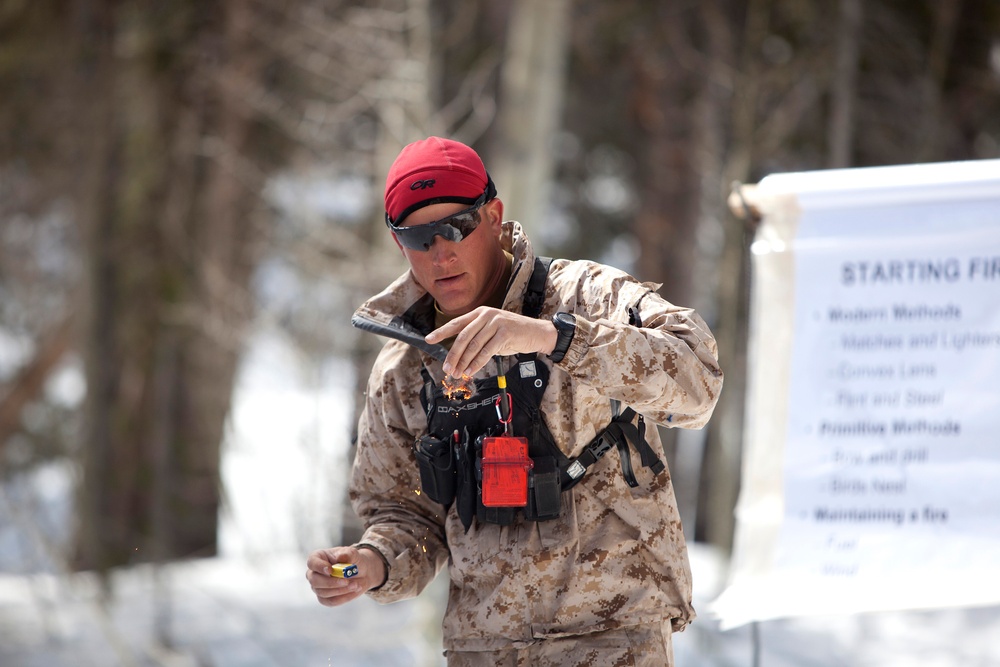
{"x":174,"y":173}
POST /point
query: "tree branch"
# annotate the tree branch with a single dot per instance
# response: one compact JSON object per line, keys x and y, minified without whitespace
{"x":28,"y":384}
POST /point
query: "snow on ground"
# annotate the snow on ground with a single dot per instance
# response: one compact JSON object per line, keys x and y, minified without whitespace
{"x":252,"y":607}
{"x":259,"y":613}
{"x":284,"y":458}
{"x":214,"y":612}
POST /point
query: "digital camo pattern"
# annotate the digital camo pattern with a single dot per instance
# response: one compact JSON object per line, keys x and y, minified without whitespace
{"x":649,"y":645}
{"x":616,"y":556}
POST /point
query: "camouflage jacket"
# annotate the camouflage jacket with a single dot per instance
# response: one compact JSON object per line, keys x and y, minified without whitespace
{"x":616,"y":555}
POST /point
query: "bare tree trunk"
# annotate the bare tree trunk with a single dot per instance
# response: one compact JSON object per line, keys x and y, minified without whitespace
{"x":719,"y":482}
{"x":721,"y":462}
{"x":224,"y":248}
{"x":841,"y":130}
{"x":100,"y":350}
{"x":402,"y":120}
{"x":687,"y":58}
{"x":532,"y":83}
{"x":170,"y":240}
{"x":933,"y":126}
{"x":30,"y":381}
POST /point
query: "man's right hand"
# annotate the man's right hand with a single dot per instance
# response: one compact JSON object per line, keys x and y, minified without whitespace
{"x":333,"y":591}
{"x":485,"y":332}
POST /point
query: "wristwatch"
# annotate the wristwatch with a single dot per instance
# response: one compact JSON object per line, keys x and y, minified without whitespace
{"x":565,"y":325}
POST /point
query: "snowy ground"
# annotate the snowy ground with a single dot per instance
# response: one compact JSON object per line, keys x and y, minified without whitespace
{"x":252,"y":607}
{"x":214,"y":613}
{"x":238,"y":613}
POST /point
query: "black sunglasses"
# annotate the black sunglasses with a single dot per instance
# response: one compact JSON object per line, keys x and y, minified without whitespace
{"x":454,"y":227}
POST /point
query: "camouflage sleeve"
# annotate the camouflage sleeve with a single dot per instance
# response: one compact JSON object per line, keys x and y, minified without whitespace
{"x":400,"y":522}
{"x":667,"y":369}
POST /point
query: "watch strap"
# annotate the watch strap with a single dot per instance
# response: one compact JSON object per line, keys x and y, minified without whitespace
{"x":565,"y":325}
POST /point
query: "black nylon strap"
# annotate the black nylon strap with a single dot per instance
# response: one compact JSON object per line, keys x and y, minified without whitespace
{"x":649,"y":457}
{"x":534,"y":297}
{"x":626,"y":459}
{"x":620,"y":433}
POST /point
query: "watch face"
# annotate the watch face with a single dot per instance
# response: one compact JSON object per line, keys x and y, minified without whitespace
{"x":564,"y":321}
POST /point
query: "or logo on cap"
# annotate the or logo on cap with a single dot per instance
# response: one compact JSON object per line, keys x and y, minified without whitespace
{"x":422,"y":185}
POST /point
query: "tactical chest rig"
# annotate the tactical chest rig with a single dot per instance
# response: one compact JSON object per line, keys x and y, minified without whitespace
{"x":450,"y":455}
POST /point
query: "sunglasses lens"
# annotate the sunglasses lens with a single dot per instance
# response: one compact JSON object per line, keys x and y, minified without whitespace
{"x":453,"y":228}
{"x":421,"y":237}
{"x":465,"y":223}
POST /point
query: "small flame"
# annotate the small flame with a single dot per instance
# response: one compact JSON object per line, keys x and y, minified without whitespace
{"x":457,"y":389}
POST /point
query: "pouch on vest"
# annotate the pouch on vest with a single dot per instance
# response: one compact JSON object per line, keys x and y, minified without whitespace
{"x":544,"y":490}
{"x":437,"y":468}
{"x":503,"y":516}
{"x":466,"y":494}
{"x":505,"y":465}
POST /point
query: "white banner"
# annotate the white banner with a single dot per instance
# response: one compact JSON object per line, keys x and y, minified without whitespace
{"x":872,"y":459}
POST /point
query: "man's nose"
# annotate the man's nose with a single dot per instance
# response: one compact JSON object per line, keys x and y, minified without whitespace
{"x":442,"y":250}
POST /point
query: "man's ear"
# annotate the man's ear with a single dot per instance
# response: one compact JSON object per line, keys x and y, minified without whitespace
{"x":493,"y":210}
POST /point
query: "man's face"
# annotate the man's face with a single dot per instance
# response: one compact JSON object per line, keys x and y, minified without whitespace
{"x":458,"y":274}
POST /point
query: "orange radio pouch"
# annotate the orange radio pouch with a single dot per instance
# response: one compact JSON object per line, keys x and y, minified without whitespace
{"x":505,"y":466}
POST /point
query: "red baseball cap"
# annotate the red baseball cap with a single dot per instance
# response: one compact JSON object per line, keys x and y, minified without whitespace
{"x":434,"y":171}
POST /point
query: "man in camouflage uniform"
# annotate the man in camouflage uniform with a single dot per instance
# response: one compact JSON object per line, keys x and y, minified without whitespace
{"x":607,"y":581}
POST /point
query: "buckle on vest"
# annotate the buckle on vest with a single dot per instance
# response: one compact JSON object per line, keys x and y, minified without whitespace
{"x":576,"y":470}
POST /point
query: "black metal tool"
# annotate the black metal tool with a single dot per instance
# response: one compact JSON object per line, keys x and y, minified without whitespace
{"x":400,"y":330}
